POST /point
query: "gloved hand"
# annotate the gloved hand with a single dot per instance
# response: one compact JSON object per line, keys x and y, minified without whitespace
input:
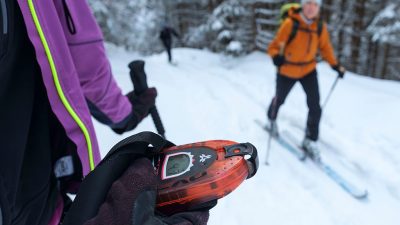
{"x":141,"y":104}
{"x":340,"y":70}
{"x":132,"y":199}
{"x":278,"y":60}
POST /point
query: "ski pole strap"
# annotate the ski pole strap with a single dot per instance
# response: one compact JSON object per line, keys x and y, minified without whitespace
{"x":94,"y":188}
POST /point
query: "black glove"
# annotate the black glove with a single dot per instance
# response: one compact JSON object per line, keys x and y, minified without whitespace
{"x":340,"y":70}
{"x":278,"y":60}
{"x":132,"y":199}
{"x":141,"y":104}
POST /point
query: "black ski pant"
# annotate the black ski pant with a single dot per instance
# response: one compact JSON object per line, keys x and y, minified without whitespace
{"x":168,"y":44}
{"x":310,"y":85}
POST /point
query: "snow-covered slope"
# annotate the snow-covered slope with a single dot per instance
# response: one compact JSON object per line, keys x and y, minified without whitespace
{"x":209,"y":96}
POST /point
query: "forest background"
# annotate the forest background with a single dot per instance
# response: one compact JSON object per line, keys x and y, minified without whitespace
{"x":365,"y":33}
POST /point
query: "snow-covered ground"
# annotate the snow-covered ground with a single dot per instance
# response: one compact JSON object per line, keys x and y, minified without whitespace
{"x":209,"y":96}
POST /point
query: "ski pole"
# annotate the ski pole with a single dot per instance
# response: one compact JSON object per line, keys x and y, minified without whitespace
{"x":268,"y":150}
{"x":273,"y":109}
{"x":138,"y":77}
{"x":330,"y":92}
{"x":281,"y":53}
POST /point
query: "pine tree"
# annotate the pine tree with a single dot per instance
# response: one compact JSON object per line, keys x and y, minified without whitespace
{"x":133,"y":24}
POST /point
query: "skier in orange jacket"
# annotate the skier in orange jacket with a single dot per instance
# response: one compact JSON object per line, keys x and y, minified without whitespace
{"x":294,"y":50}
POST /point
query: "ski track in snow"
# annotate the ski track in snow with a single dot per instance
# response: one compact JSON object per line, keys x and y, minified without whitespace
{"x":208,"y":96}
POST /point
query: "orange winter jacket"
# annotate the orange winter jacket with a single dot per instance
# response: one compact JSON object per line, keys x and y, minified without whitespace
{"x":300,"y":54}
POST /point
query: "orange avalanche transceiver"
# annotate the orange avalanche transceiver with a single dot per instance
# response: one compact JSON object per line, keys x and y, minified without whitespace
{"x":195,"y":174}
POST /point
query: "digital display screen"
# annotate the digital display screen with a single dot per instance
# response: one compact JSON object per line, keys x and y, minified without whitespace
{"x":177,"y":164}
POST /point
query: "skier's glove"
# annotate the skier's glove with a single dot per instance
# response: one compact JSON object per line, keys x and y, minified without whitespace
{"x":141,"y":104}
{"x":132,"y":199}
{"x":278,"y":60}
{"x":340,"y":70}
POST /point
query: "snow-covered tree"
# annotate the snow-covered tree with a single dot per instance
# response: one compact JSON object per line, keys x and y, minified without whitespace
{"x":385,"y":32}
{"x":365,"y":33}
{"x":386,"y":25}
{"x":349,"y":23}
{"x":226,"y":30}
{"x":133,"y":24}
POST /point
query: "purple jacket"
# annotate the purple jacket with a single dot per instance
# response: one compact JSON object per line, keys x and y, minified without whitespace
{"x":70,"y":52}
{"x":69,"y":49}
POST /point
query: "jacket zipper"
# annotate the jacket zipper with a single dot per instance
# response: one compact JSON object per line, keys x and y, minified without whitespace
{"x":3,"y":7}
{"x":68,"y":18}
{"x":58,"y":87}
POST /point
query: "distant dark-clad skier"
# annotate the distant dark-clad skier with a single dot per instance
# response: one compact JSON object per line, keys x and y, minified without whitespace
{"x":166,"y":38}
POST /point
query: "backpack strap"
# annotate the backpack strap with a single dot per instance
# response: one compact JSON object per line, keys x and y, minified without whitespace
{"x":144,"y":139}
{"x":96,"y":185}
{"x":295,"y":28}
{"x":320,"y":27}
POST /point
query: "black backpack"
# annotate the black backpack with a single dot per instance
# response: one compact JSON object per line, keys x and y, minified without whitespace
{"x":87,"y":201}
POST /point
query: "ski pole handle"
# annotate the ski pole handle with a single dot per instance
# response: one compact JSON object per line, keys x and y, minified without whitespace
{"x":139,"y":80}
{"x":138,"y":76}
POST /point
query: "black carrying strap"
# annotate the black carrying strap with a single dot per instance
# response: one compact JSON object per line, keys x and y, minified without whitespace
{"x":300,"y":63}
{"x":320,"y":27}
{"x":292,"y":35}
{"x":96,"y":185}
{"x":1,"y":217}
{"x":295,"y":28}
